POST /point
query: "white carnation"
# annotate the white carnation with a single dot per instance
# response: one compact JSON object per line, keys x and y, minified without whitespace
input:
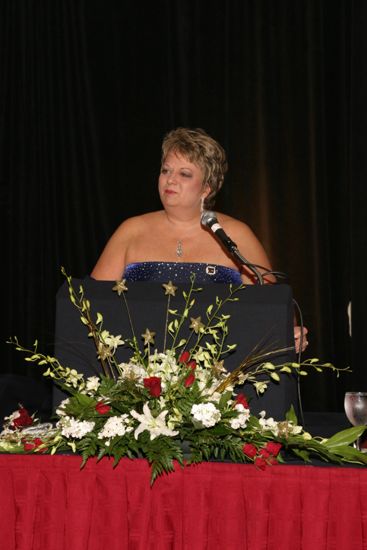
{"x":70,"y":427}
{"x":206,"y":413}
{"x":116,"y":425}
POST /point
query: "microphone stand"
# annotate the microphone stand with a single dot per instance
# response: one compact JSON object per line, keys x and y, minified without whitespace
{"x":232,"y":247}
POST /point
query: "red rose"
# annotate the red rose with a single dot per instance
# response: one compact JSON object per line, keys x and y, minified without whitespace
{"x":154,"y":385}
{"x":192,"y":364}
{"x":189,"y":380}
{"x":260,"y":463}
{"x":273,"y":448}
{"x":23,"y":419}
{"x":38,"y":442}
{"x":249,"y":450}
{"x":264,"y":453}
{"x":184,"y":357}
{"x":102,"y":408}
{"x":28,"y":446}
{"x":33,"y":445}
{"x":241,"y":400}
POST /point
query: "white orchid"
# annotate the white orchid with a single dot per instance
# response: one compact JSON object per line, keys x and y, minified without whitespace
{"x":260,"y":386}
{"x":112,"y":341}
{"x":92,"y":384}
{"x":165,"y":366}
{"x":241,"y":420}
{"x":154,"y":425}
{"x":268,"y":423}
{"x":132,"y":371}
{"x":60,"y":411}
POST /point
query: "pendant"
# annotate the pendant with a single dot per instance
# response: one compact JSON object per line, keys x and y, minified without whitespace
{"x":179,"y":249}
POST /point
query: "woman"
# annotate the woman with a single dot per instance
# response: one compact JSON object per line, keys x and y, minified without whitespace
{"x":172,"y":243}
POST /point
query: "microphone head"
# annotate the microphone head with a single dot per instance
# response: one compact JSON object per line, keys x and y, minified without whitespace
{"x":208,"y":218}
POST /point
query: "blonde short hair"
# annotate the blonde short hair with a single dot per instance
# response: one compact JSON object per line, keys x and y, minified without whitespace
{"x":200,"y":149}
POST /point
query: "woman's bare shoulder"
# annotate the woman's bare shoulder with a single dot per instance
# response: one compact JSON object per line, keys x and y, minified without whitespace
{"x":230,"y":223}
{"x":111,"y":263}
{"x":246,"y":240}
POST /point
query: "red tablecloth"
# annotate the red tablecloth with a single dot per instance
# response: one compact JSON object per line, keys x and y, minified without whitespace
{"x":48,"y":503}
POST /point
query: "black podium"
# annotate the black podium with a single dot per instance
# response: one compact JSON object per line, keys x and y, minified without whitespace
{"x":262,"y":316}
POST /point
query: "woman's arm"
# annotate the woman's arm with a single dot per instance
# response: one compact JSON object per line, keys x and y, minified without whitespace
{"x":249,"y":247}
{"x":111,"y":263}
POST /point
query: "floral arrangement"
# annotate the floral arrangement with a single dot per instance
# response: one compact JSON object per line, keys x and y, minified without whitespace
{"x":178,"y":404}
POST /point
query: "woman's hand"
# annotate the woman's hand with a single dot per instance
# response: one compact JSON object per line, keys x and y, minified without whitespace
{"x":300,"y":334}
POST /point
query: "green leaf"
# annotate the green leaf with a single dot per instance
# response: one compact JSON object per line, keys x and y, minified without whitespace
{"x":291,"y":416}
{"x":302,"y":453}
{"x":345,"y":437}
{"x":351,"y":454}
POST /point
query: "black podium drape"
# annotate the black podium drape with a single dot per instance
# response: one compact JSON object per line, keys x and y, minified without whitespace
{"x":261,"y":320}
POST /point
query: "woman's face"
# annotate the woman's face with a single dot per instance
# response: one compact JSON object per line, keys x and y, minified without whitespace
{"x":181,"y":183}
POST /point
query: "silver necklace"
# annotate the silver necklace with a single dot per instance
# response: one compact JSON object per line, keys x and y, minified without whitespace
{"x":179,"y":249}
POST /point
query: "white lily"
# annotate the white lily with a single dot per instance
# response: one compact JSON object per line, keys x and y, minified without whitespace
{"x":155,"y":425}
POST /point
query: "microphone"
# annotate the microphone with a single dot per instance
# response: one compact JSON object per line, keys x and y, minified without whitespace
{"x":209,"y":219}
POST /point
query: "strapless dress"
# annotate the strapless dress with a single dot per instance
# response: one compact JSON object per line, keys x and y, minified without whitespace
{"x":180,"y":272}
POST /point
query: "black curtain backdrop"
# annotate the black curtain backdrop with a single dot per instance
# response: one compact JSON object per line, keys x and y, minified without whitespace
{"x":89,"y":88}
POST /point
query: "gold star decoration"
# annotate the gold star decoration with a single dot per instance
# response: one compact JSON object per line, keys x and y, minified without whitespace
{"x":169,"y":288}
{"x":196,"y":324}
{"x":148,"y":337}
{"x":218,"y":368}
{"x":120,"y":287}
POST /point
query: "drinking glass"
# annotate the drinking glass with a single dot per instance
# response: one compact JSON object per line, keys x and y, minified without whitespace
{"x":355,"y":406}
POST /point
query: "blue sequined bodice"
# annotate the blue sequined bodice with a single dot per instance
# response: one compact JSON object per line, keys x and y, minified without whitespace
{"x":180,"y":272}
